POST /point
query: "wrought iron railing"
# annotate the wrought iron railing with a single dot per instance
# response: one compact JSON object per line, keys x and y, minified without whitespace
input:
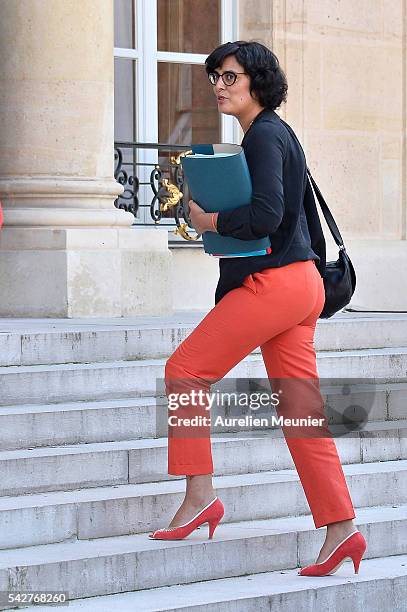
{"x":158,"y":187}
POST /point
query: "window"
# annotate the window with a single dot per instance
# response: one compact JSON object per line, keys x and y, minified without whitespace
{"x":161,"y":90}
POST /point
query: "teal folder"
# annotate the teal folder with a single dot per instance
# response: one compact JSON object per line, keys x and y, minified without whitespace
{"x":219,"y":179}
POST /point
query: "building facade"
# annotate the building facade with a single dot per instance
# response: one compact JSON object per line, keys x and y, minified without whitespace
{"x":98,"y":98}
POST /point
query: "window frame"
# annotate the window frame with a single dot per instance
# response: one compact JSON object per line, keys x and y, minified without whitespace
{"x":146,"y":57}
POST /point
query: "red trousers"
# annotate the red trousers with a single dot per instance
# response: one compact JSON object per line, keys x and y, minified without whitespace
{"x":276,"y":309}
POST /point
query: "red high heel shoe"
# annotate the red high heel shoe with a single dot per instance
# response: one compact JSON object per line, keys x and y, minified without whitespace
{"x":352,"y":547}
{"x":211,"y":514}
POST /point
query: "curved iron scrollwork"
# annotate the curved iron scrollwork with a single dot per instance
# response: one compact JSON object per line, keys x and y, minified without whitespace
{"x":166,"y":195}
{"x":181,"y":210}
{"x":128,"y":200}
{"x":166,"y":182}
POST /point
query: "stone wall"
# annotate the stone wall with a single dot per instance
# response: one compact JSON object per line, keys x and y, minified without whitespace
{"x":345,"y":63}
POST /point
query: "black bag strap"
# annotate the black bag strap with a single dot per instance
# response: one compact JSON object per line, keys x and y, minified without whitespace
{"x":327,"y":214}
{"x":324,"y":206}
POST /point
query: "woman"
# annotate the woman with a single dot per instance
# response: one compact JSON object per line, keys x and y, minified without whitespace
{"x":272,"y":301}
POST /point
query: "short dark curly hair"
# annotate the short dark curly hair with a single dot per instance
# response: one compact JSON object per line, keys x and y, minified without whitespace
{"x":267,"y":79}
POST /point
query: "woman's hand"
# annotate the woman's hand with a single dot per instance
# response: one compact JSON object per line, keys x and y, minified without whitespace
{"x":201,"y":220}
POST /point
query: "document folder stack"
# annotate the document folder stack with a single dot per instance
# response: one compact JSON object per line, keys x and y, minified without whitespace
{"x":219,"y":179}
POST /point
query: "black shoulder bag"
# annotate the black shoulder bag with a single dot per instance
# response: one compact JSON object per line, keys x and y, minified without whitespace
{"x":339,"y":276}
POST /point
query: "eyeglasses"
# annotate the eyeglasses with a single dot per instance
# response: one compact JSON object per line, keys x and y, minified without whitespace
{"x":229,"y":77}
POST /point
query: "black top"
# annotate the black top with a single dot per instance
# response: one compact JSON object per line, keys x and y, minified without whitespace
{"x":278,"y":171}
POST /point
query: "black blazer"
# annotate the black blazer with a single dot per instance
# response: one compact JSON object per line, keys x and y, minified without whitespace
{"x":283,"y":205}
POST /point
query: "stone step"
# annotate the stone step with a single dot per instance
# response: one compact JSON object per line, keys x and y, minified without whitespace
{"x":61,"y":468}
{"x":38,"y":425}
{"x":101,"y":512}
{"x":93,"y":381}
{"x":132,"y":563}
{"x":49,"y":341}
{"x":380,"y":585}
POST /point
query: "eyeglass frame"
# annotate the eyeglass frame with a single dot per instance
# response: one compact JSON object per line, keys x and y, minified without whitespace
{"x":221,"y":76}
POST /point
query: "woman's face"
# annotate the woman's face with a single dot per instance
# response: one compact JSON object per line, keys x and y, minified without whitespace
{"x":234,"y":99}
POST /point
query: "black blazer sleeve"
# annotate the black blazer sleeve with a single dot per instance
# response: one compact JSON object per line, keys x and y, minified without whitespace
{"x":265,"y":149}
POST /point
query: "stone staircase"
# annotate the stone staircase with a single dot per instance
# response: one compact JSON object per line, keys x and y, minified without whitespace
{"x":83,"y":459}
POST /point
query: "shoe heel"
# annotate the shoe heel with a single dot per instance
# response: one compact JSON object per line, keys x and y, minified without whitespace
{"x":357,"y":558}
{"x":213,"y":523}
{"x":357,"y":555}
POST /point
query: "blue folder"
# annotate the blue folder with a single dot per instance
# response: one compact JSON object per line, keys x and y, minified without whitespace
{"x":219,"y":179}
